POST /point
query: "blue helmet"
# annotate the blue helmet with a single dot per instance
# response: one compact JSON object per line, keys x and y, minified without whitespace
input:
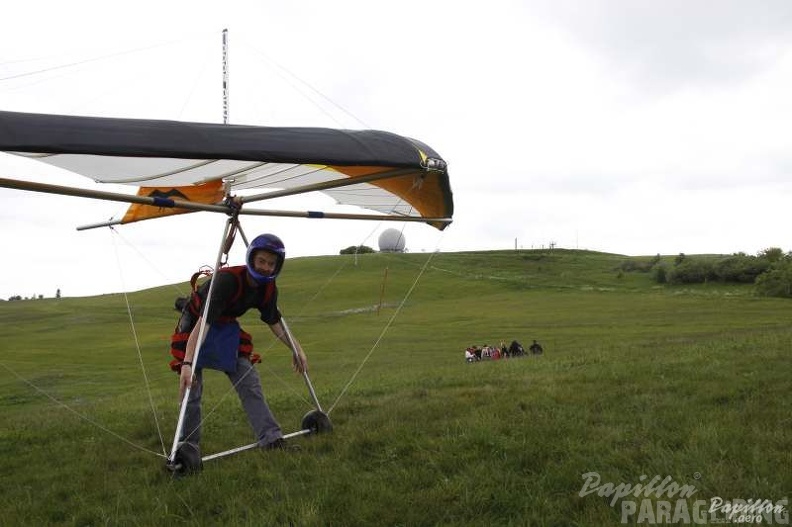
{"x":269,"y":243}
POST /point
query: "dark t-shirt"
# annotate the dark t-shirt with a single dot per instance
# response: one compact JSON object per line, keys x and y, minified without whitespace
{"x":229,"y":301}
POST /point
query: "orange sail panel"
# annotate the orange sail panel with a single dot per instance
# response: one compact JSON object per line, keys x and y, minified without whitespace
{"x":210,"y":193}
{"x":422,"y":190}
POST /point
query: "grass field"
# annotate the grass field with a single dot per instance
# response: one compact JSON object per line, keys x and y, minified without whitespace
{"x":691,"y":384}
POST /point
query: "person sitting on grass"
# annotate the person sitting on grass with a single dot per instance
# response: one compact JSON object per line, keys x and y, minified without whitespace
{"x":516,"y":349}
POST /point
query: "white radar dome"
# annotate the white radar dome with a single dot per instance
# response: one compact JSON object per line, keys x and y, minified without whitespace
{"x":391,"y":241}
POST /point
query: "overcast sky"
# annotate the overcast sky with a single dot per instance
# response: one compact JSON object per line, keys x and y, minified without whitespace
{"x":632,"y":127}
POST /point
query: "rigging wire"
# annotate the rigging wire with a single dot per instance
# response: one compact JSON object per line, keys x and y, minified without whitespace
{"x":113,"y":84}
{"x":326,"y":284}
{"x":265,"y":366}
{"x":309,"y":302}
{"x":272,"y":343}
{"x":392,"y":318}
{"x":145,"y":377}
{"x":79,"y":414}
{"x":194,"y":87}
{"x":343,"y":392}
{"x":382,"y":333}
{"x":85,"y":61}
{"x":76,"y":63}
{"x":137,"y":347}
{"x":290,"y":77}
{"x":178,"y":286}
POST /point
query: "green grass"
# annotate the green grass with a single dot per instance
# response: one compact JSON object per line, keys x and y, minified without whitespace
{"x":636,"y":379}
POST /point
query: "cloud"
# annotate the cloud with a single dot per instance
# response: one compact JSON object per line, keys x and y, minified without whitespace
{"x":669,"y":45}
{"x":634,"y":127}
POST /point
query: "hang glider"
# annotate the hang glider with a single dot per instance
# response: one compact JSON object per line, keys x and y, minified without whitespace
{"x":185,"y":167}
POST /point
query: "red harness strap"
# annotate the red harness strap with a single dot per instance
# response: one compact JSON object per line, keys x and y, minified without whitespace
{"x":179,"y":339}
{"x":179,"y":348}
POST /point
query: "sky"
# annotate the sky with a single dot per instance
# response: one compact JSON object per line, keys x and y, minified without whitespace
{"x":631,"y":127}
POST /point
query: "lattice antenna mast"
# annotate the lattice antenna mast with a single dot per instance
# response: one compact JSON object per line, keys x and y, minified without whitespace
{"x":225,"y":76}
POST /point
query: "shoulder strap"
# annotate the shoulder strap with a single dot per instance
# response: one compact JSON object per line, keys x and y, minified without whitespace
{"x":240,"y":273}
{"x":195,"y":301}
{"x":268,"y":293}
{"x":203,"y":271}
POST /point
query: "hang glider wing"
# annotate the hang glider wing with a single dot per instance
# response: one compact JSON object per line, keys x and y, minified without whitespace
{"x":178,"y":166}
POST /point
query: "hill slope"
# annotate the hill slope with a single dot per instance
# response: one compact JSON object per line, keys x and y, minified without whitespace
{"x":636,"y":380}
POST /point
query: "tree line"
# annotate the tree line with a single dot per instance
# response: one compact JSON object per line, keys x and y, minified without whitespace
{"x":34,"y":297}
{"x":770,"y":270}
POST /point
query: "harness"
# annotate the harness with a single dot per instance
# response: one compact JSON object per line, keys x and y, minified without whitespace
{"x":240,"y":273}
{"x":194,"y":308}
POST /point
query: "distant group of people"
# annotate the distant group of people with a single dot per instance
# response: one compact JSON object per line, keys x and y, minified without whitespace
{"x":487,"y":352}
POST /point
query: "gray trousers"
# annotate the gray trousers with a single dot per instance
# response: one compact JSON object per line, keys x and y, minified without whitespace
{"x":248,"y":386}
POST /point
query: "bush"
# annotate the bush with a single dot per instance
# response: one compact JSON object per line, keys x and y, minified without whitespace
{"x":777,"y":281}
{"x":660,"y":274}
{"x":359,"y":249}
{"x":740,"y":268}
{"x":772,"y":254}
{"x":642,"y":265}
{"x":691,"y":271}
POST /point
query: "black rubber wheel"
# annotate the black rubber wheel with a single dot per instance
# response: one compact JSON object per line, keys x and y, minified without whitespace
{"x":317,"y":422}
{"x":186,"y":461}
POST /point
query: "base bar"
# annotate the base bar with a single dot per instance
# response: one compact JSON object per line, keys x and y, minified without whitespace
{"x":250,"y":446}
